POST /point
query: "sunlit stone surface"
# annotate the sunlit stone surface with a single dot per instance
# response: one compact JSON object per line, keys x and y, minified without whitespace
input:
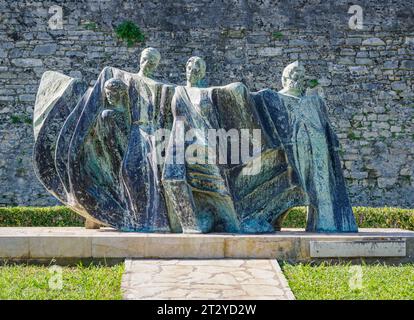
{"x":204,"y":279}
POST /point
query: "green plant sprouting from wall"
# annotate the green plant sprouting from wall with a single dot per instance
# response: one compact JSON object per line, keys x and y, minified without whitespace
{"x":90,"y":25}
{"x":313,"y":83}
{"x":353,"y":136}
{"x":277,"y":35}
{"x":16,"y":119}
{"x":129,"y":32}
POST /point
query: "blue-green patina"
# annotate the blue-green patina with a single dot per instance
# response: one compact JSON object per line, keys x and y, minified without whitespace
{"x":96,"y":151}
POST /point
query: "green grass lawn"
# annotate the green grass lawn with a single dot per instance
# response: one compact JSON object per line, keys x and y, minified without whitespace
{"x":322,"y":282}
{"x":29,"y":282}
{"x":342,"y":282}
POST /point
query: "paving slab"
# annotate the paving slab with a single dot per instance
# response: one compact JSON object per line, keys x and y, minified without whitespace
{"x":204,"y":279}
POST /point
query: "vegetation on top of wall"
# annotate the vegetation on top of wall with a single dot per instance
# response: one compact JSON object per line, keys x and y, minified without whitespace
{"x":366,"y":217}
{"x":353,"y":136}
{"x":312,"y":83}
{"x":63,"y":217}
{"x":15,"y":119}
{"x":129,"y":32}
{"x":90,"y":25}
{"x":277,"y":35}
{"x":39,"y":217}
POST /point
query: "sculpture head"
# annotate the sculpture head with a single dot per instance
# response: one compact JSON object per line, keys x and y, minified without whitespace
{"x":116,"y":92}
{"x":293,"y":78}
{"x":150,"y":59}
{"x":195,"y":71}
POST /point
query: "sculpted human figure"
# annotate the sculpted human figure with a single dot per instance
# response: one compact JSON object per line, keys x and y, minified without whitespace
{"x":313,"y":151}
{"x":106,"y":146}
{"x":111,"y":165}
{"x":252,"y":196}
{"x":141,"y":169}
{"x":115,"y":121}
{"x":97,"y":150}
{"x":106,"y":143}
{"x":263,"y":186}
{"x":149,"y":61}
{"x":196,"y":193}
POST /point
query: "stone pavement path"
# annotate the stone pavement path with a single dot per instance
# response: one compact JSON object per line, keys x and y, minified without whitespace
{"x":204,"y":279}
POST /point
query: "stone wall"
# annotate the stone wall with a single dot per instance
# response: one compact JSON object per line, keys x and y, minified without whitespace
{"x":366,"y":76}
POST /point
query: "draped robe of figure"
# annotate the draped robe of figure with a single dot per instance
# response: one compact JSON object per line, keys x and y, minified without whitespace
{"x":111,"y":167}
{"x":151,"y":103}
{"x":106,"y":167}
{"x":261,"y":199}
{"x":93,"y":164}
{"x":312,"y":148}
{"x":196,"y":189}
{"x":105,"y":148}
{"x":59,"y":99}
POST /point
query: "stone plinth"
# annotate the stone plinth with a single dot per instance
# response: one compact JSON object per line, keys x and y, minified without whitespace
{"x":44,"y":244}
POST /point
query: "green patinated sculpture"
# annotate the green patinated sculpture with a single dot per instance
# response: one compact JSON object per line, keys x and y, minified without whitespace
{"x":197,"y":195}
{"x":106,"y":144}
{"x":314,"y":155}
{"x":141,"y":155}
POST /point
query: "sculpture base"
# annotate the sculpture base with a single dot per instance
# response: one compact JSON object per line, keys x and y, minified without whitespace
{"x":70,"y":245}
{"x":89,"y":224}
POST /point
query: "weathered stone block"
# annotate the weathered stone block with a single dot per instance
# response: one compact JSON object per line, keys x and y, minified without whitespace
{"x":270,"y":52}
{"x":27,"y":62}
{"x":386,"y":182}
{"x":45,"y":49}
{"x":391,"y":64}
{"x":373,"y":42}
{"x":398,"y":86}
{"x":407,"y":64}
{"x":409,"y":41}
{"x":363,"y":61}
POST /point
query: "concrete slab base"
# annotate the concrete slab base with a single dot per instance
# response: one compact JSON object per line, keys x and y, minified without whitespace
{"x":293,"y":245}
{"x":224,"y":279}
